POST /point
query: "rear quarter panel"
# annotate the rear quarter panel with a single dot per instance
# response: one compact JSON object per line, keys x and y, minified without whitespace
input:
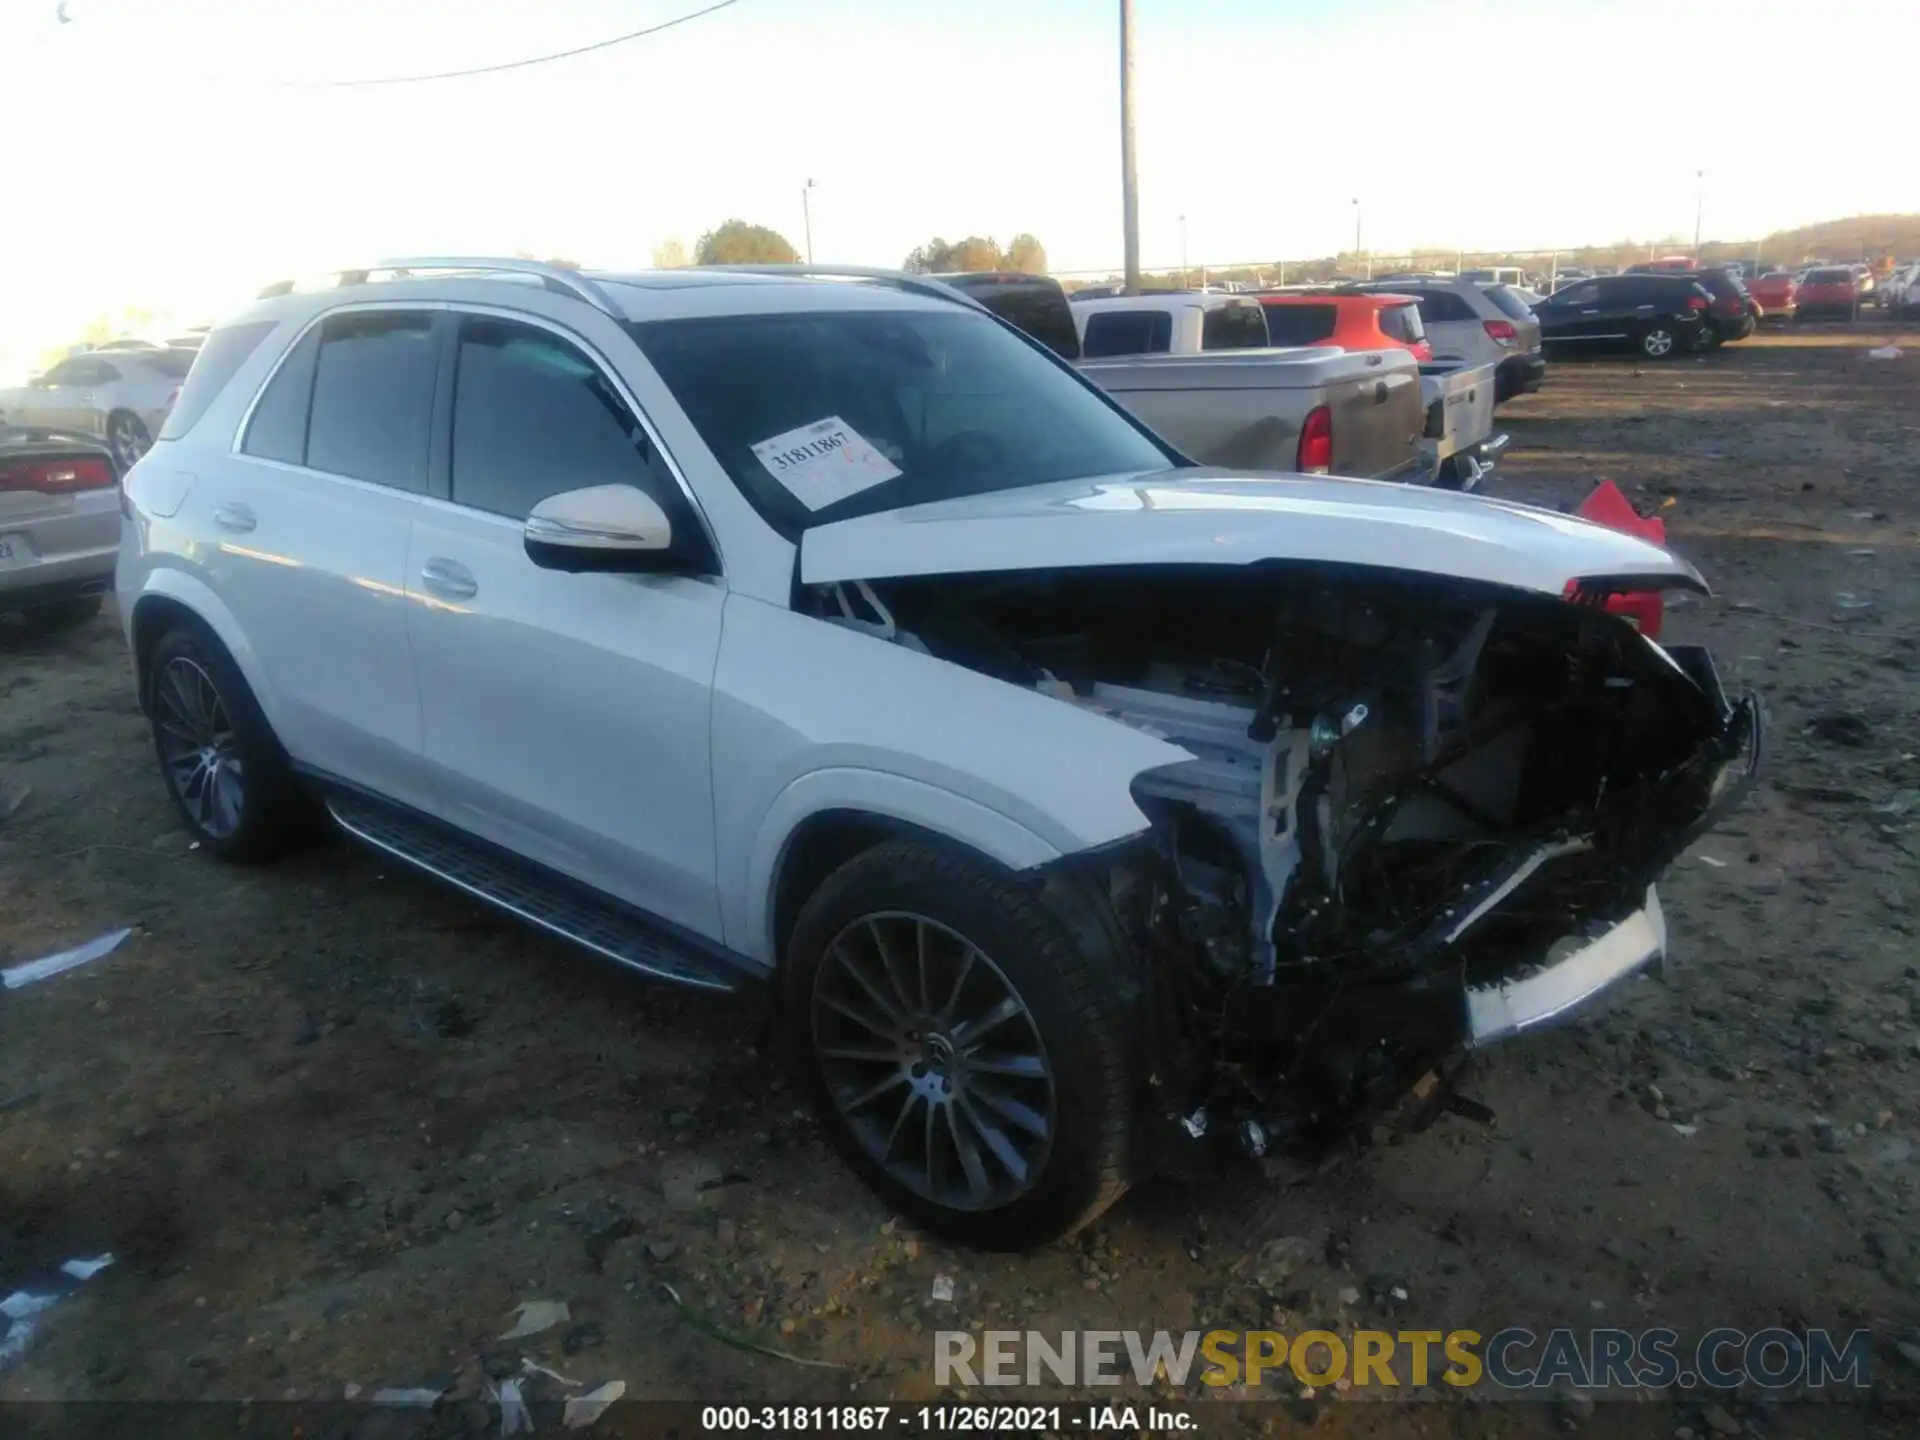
{"x":1377,"y":420}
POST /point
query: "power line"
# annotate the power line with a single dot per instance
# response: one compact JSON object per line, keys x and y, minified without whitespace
{"x":509,"y":64}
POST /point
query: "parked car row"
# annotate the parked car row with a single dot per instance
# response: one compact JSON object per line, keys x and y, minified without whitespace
{"x":819,"y":632}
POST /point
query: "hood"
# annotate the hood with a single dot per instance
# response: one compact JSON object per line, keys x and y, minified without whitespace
{"x":1224,"y":517}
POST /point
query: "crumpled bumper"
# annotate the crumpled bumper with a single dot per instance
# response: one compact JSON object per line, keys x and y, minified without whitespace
{"x":1635,"y":941}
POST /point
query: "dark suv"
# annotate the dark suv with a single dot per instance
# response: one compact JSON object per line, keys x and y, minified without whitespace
{"x":1730,"y":315}
{"x":1658,"y":315}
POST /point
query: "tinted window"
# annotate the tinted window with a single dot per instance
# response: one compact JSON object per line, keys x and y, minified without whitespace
{"x":1439,"y":307}
{"x":1234,"y":327}
{"x":532,"y":416}
{"x":1300,"y":324}
{"x":67,"y":372}
{"x":1128,"y":332}
{"x":1398,"y":322}
{"x":1037,"y":306}
{"x":373,"y":398}
{"x":278,"y":428}
{"x":174,"y":364}
{"x":1509,"y":303}
{"x":225,"y":351}
{"x":1587,"y":294}
{"x":952,"y":401}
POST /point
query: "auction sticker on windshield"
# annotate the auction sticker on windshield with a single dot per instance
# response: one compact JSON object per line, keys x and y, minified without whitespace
{"x":823,"y":463}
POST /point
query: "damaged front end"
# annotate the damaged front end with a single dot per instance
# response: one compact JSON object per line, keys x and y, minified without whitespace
{"x":1421,"y":814}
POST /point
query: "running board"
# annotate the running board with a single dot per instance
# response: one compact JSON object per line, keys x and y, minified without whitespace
{"x":544,"y":901}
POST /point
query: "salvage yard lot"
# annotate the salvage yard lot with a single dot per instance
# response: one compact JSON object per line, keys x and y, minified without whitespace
{"x":337,"y":1123}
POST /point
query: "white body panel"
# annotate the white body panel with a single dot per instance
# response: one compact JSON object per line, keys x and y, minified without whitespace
{"x":810,"y":716}
{"x":1210,"y":517}
{"x":565,"y":716}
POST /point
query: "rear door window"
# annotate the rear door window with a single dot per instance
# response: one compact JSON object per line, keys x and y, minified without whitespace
{"x":1234,"y":327}
{"x":373,"y":398}
{"x":224,"y":352}
{"x":1588,"y":294}
{"x":1301,"y":324}
{"x":1128,"y":332}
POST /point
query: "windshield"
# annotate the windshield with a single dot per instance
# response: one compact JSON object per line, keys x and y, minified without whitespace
{"x":821,"y":416}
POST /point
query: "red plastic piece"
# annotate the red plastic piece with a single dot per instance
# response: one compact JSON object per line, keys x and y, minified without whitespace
{"x":1608,"y":506}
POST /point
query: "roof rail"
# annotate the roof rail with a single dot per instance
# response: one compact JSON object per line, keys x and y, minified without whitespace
{"x":912,"y":284}
{"x":557,"y":278}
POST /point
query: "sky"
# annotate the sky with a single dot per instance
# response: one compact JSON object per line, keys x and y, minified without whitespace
{"x":188,"y":151}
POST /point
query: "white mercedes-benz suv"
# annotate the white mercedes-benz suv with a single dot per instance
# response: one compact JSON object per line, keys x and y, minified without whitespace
{"x":823,"y":632}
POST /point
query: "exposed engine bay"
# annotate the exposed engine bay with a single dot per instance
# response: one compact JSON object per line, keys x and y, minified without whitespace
{"x":1402,"y":788}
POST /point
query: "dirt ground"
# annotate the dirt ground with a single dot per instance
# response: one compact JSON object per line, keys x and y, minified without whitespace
{"x":336,"y":1123}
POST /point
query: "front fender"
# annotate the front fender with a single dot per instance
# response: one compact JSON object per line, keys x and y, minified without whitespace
{"x":873,"y":792}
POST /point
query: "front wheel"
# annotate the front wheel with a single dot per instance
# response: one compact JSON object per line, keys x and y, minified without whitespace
{"x":968,"y":1057}
{"x":1659,"y":342}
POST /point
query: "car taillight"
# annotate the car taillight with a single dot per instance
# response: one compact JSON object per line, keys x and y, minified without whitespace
{"x":1315,"y":455}
{"x":1422,"y":351}
{"x":1502,"y":332}
{"x":55,"y":477}
{"x":1696,"y":302}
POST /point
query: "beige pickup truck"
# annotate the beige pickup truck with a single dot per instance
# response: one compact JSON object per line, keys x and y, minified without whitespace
{"x":1198,"y":369}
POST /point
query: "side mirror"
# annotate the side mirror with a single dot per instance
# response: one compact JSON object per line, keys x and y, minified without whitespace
{"x":614,"y":528}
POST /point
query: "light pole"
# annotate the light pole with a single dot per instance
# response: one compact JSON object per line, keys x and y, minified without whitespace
{"x":1129,"y":183}
{"x":806,"y":216}
{"x":1183,"y":252}
{"x":1356,"y":229}
{"x":1699,"y":204}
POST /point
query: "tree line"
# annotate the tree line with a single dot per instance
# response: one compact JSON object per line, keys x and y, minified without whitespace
{"x":739,"y":242}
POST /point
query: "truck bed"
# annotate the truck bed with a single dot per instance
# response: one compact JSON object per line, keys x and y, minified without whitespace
{"x":1246,"y":408}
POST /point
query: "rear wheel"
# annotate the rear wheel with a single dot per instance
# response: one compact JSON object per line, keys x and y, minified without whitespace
{"x":227,"y":774}
{"x":127,"y":438}
{"x":968,"y":1058}
{"x":1658,"y":341}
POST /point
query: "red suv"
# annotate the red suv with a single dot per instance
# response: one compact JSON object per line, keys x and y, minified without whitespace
{"x":1830,"y":290}
{"x":1776,"y":293}
{"x":1353,"y":320}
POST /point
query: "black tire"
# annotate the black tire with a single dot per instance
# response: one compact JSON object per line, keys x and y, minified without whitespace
{"x":61,"y":614}
{"x":127,"y":439}
{"x":273,"y":813}
{"x":1659,"y":341}
{"x":1087,"y":1018}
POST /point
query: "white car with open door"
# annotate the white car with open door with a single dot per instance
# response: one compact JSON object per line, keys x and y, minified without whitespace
{"x":829,"y":634}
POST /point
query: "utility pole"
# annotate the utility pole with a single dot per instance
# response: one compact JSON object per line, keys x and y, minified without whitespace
{"x":1129,"y":181}
{"x":1699,"y":204}
{"x":806,"y":215}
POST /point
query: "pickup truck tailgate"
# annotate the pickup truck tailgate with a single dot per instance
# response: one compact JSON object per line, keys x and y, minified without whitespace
{"x":1245,"y":408}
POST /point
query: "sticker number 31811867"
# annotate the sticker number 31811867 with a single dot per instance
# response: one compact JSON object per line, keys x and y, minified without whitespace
{"x":824,"y":463}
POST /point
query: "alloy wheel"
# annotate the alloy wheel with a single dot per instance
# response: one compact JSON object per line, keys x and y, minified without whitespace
{"x":1658,"y":343}
{"x":198,"y":748}
{"x":127,"y":438}
{"x":933,"y":1061}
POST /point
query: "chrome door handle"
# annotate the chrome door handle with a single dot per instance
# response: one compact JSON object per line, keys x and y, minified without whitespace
{"x":449,"y":579}
{"x":235,"y":517}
